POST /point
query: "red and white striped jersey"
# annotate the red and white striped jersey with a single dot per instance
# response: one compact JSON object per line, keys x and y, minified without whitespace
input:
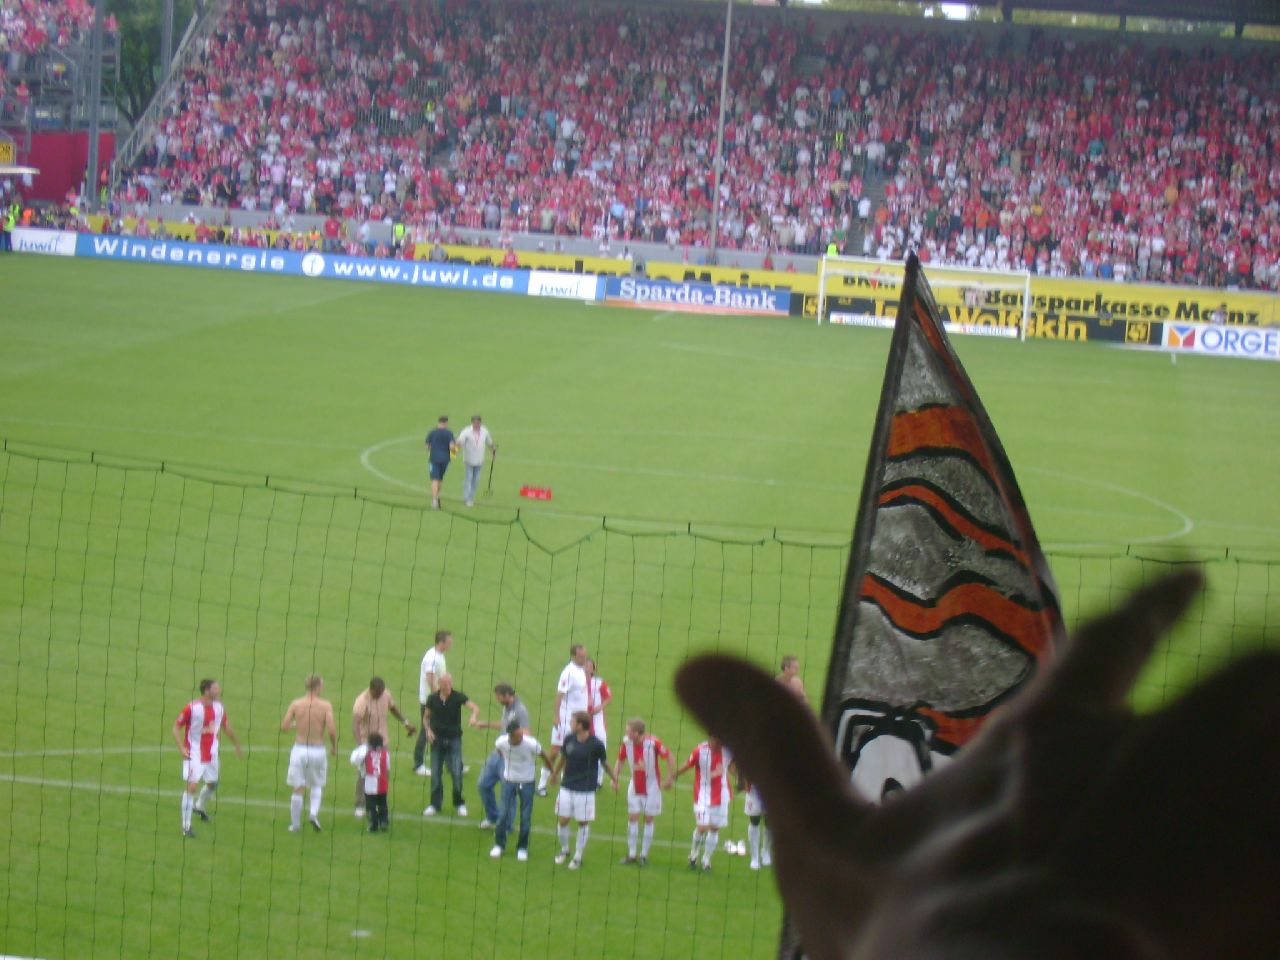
{"x":642,"y":755}
{"x":204,"y":724}
{"x":710,"y":775}
{"x":597,"y":691}
{"x":376,"y":764}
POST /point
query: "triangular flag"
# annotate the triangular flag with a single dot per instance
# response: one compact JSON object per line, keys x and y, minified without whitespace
{"x":948,"y":605}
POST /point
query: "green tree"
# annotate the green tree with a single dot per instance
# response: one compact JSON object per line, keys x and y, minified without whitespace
{"x":141,"y":23}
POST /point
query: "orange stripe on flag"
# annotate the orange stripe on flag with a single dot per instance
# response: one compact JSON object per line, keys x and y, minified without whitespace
{"x":950,"y":428}
{"x":1030,"y":629}
{"x":962,"y":524}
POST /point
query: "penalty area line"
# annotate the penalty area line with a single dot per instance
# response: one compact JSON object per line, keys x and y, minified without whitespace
{"x":280,"y":806}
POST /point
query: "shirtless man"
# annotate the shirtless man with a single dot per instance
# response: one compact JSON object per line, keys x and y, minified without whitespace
{"x":311,"y":716}
{"x":789,"y":676}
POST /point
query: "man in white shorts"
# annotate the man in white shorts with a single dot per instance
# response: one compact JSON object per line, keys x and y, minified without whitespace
{"x":571,"y":697}
{"x":433,"y":667}
{"x":711,"y":762}
{"x":311,"y":717}
{"x":757,"y":828}
{"x":645,"y":753}
{"x":196,"y":731}
{"x":580,"y":759}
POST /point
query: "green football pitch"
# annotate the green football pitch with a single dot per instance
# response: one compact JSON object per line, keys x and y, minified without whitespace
{"x":704,"y":472}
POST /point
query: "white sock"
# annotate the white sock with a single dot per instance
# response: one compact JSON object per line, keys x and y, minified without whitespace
{"x":582,"y":841}
{"x":648,"y":839}
{"x":697,"y":842}
{"x":753,"y":840}
{"x":315,"y":801}
{"x":295,"y":810}
{"x":633,"y":828}
{"x":186,"y":810}
{"x":543,"y":777}
{"x":713,"y":839}
{"x":562,"y":832}
{"x":204,"y":795}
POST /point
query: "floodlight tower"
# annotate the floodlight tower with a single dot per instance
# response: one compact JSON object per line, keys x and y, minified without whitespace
{"x":95,"y":106}
{"x":719,"y":156}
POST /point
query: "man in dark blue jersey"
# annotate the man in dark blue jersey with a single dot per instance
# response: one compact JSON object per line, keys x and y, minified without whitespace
{"x":441,"y":446}
{"x":580,"y":760}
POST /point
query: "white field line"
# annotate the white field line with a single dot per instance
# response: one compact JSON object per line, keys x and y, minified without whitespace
{"x":1186,"y":524}
{"x":280,"y":804}
{"x":366,"y":461}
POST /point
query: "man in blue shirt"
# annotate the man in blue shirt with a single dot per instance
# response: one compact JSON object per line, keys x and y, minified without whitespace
{"x":441,"y":445}
{"x":581,"y":759}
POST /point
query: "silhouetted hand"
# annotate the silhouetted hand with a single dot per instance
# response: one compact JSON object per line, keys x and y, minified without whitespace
{"x":1070,"y":828}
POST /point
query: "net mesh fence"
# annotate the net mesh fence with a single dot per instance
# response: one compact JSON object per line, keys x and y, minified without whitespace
{"x":123,"y":584}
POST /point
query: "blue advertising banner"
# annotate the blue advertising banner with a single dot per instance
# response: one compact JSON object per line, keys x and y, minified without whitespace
{"x":695,"y":297}
{"x":289,"y":263}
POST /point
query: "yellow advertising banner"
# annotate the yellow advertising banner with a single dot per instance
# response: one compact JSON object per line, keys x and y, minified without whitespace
{"x":1060,"y":307}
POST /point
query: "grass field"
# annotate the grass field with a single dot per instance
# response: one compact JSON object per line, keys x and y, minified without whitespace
{"x":727,"y":453}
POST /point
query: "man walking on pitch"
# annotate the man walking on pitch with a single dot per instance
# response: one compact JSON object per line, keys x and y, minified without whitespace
{"x":311,"y":718}
{"x":491,"y":774}
{"x":571,"y":697}
{"x":443,"y":719}
{"x":710,"y":762}
{"x":519,"y":753}
{"x":441,"y":446}
{"x":789,"y":676}
{"x":428,"y":682}
{"x":196,"y":731}
{"x":581,"y":759}
{"x":473,"y":441}
{"x":369,"y":715}
{"x":645,"y":753}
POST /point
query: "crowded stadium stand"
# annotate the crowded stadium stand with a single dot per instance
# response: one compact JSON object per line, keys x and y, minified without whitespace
{"x":1061,"y":152}
{"x":44,"y":62}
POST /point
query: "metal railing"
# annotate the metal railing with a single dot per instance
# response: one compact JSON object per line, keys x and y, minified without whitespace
{"x":199,"y":26}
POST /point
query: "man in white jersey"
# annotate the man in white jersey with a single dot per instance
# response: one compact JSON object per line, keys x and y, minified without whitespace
{"x":311,"y":717}
{"x":433,"y":667}
{"x":571,"y":698}
{"x":196,"y":732}
{"x":711,"y":763}
{"x":644,"y":753}
{"x":473,"y":441}
{"x":519,"y":754}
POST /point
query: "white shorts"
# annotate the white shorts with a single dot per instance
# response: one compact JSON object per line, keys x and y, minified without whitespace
{"x":752,"y":805}
{"x":308,"y":766}
{"x":717,"y":817}
{"x":646,"y":804}
{"x":196,"y":770}
{"x":575,"y":805}
{"x":558,"y":732}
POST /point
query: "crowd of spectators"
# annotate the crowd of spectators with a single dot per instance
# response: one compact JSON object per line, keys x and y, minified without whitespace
{"x":30,"y":30}
{"x":1009,"y":150}
{"x":1087,"y":159}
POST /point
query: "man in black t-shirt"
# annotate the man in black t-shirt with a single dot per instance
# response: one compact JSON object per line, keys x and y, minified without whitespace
{"x":581,"y":759}
{"x":441,"y":446}
{"x":442,"y":717}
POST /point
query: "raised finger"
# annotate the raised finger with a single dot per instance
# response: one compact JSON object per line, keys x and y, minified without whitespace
{"x":775,"y":739}
{"x":1105,"y":656}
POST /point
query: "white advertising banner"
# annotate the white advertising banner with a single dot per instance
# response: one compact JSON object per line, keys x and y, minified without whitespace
{"x":51,"y":243}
